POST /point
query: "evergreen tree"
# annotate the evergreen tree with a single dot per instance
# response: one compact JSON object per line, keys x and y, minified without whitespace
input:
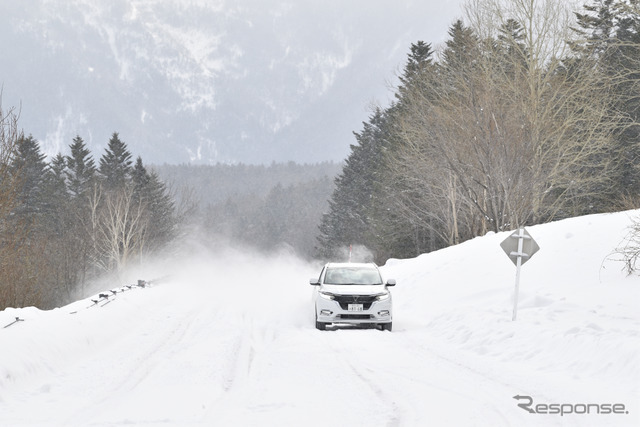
{"x":363,"y":207}
{"x":81,"y":176}
{"x":115,"y":163}
{"x":510,"y":47}
{"x":29,"y":168}
{"x":81,"y":168}
{"x":161,"y":213}
{"x":64,"y":243}
{"x":627,"y":59}
{"x":597,"y":26}
{"x":462,"y":45}
{"x":140,"y":178}
{"x":31,"y":226}
{"x":349,"y":219}
{"x":459,"y":59}
{"x":56,"y":229}
{"x":159,"y":207}
{"x":56,"y":194}
{"x":398,"y":234}
{"x":419,"y":64}
{"x":611,"y":29}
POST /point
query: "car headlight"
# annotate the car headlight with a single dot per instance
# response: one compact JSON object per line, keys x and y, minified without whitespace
{"x":383,"y":296}
{"x":326,"y":295}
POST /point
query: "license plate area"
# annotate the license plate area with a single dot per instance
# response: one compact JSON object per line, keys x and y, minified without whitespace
{"x":355,"y":307}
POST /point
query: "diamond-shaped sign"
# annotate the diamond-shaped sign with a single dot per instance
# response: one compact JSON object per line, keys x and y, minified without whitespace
{"x":511,"y":244}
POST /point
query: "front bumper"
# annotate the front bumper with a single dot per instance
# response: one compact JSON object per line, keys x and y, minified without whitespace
{"x":332,"y":311}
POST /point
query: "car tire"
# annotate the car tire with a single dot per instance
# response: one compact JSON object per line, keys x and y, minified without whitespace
{"x":386,"y":326}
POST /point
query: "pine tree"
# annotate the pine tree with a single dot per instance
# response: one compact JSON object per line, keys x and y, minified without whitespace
{"x":348,"y":221}
{"x":63,"y":242}
{"x":161,"y":213}
{"x":398,"y":234}
{"x":510,"y":46}
{"x":151,"y":192}
{"x":362,"y":209}
{"x":29,"y":167}
{"x":115,"y":163}
{"x":612,"y":39}
{"x":30,"y":227}
{"x":56,"y":194}
{"x":419,"y":64}
{"x":140,"y":177}
{"x":81,"y":169}
{"x":597,"y":26}
{"x":80,"y":239}
{"x":459,"y":58}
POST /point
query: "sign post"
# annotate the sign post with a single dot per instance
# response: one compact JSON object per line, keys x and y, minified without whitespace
{"x":519,"y":247}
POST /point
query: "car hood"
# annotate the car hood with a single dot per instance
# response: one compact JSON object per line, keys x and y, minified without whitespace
{"x":353,"y":289}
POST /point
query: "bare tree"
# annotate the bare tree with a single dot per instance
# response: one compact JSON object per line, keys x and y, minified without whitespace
{"x":17,"y":269}
{"x":9,"y":136}
{"x":511,"y":130}
{"x":559,"y":109}
{"x":117,"y":226}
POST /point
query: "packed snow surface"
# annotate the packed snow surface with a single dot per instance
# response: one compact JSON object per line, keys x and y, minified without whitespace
{"x":229,"y":340}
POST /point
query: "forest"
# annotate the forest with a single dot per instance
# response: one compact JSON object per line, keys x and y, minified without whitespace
{"x":69,"y":221}
{"x":72,"y":221}
{"x":528,"y":113}
{"x":274,"y":207}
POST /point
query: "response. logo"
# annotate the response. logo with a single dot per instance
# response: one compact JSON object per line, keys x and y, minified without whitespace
{"x":562,"y":409}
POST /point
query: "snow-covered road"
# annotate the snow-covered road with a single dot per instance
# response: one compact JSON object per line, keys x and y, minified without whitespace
{"x":193,"y":364}
{"x":231,"y":342}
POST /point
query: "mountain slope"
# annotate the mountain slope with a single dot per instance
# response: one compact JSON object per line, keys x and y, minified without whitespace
{"x":208,"y":81}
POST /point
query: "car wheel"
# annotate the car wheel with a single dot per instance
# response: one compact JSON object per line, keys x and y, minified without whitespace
{"x":386,"y":326}
{"x":321,"y":326}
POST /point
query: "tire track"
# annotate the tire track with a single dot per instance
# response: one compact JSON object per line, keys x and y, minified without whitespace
{"x":355,"y":364}
{"x":439,"y":379}
{"x":140,"y":366}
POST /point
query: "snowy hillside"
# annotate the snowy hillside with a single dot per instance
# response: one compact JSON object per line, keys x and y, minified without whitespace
{"x":249,"y":81}
{"x":229,"y":340}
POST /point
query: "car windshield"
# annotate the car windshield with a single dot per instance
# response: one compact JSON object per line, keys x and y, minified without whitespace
{"x":352,"y":276}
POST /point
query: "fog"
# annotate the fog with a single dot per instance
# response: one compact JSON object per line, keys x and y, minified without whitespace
{"x":240,"y":280}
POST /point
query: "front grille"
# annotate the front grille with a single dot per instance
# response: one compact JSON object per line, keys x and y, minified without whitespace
{"x":355,"y":316}
{"x":345,"y":300}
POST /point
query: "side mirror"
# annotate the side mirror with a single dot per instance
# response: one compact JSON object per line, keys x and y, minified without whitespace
{"x":314,"y":282}
{"x":391,"y":282}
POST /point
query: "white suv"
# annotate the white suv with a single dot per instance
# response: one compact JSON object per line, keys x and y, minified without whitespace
{"x":352,"y":293}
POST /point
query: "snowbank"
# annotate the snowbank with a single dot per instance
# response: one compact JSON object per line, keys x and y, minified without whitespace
{"x":578,"y":324}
